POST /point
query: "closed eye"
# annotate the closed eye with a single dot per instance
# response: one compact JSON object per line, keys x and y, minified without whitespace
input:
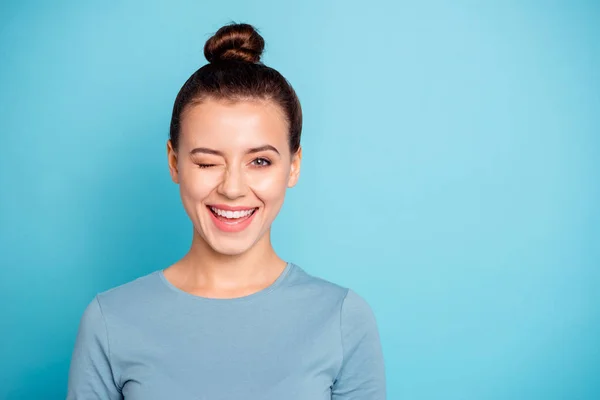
{"x":205,"y":165}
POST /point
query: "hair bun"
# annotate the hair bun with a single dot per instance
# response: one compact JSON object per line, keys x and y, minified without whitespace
{"x":240,"y":42}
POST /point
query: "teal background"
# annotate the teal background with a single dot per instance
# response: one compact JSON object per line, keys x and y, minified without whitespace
{"x":451,"y":177}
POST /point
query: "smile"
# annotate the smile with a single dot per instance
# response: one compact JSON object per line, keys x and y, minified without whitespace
{"x":232,"y":220}
{"x":227,"y":214}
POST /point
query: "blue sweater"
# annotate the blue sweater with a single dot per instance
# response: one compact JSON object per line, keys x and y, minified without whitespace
{"x":301,"y":338}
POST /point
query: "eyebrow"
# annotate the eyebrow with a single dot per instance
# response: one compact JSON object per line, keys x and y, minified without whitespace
{"x":206,"y":150}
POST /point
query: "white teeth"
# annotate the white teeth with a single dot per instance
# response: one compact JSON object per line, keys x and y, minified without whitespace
{"x":233,"y":214}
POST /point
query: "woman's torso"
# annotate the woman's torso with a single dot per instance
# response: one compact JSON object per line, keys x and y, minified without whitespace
{"x":281,"y":343}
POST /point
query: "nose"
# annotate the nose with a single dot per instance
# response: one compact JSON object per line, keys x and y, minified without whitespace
{"x":233,"y":184}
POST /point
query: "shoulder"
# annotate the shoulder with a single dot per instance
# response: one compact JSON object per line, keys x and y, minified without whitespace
{"x":304,"y":282}
{"x":130,"y":295}
{"x":354,"y":317}
{"x":357,"y":314}
{"x":354,"y":308}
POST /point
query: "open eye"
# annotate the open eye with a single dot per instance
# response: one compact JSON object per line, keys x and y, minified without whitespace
{"x":261,"y":162}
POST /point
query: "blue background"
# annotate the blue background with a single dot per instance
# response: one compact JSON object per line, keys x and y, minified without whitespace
{"x":451,"y":177}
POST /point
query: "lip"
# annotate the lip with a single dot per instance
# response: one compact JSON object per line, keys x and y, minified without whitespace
{"x":236,"y":227}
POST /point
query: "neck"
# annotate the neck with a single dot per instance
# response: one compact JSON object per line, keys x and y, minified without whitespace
{"x":204,"y":267}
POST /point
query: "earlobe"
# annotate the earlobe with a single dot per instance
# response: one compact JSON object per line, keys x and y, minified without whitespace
{"x":172,"y":159}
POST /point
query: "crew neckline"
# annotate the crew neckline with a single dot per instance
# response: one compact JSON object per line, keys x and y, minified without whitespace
{"x":276,"y":283}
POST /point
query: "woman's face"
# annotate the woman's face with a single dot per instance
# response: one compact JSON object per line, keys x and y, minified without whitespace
{"x":233,"y":167}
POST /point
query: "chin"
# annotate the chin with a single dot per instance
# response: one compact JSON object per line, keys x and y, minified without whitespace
{"x":233,"y":246}
{"x":227,"y":246}
{"x":230,"y":250}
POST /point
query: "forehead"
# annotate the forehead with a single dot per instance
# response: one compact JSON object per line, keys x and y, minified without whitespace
{"x":233,"y":124}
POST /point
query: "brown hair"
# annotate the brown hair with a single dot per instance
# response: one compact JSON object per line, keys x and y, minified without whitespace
{"x":234,"y":73}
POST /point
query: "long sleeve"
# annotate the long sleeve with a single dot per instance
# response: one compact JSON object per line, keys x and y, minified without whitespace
{"x":90,"y":373}
{"x":362,"y":375}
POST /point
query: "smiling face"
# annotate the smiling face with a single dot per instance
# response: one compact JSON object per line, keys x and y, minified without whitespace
{"x":233,"y":167}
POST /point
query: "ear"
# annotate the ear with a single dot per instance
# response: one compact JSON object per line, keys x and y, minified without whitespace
{"x":172,"y":158}
{"x":295,"y":168}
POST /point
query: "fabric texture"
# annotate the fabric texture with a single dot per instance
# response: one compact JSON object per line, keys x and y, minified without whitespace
{"x":301,"y":338}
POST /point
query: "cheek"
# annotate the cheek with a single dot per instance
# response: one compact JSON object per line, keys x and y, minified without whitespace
{"x":269,"y":186}
{"x":197,"y":184}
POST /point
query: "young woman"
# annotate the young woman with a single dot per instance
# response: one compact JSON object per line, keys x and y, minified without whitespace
{"x":230,"y":320}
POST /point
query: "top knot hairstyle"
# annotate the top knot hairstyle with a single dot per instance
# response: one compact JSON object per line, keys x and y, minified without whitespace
{"x":235,"y":73}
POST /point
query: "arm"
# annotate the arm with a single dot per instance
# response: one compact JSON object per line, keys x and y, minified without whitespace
{"x":90,"y":374}
{"x":362,"y":375}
